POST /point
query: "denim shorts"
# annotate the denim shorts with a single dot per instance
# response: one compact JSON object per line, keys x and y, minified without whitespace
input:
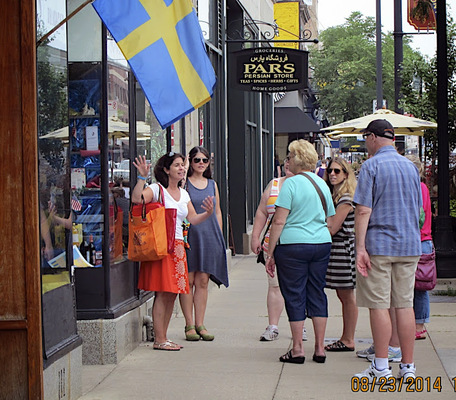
{"x":301,"y":269}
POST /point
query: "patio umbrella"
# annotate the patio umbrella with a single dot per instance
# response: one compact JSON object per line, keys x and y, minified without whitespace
{"x":403,"y":125}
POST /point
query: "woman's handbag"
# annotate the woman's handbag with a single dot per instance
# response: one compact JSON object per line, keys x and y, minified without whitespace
{"x":147,"y":225}
{"x":426,"y":272}
{"x":260,"y":256}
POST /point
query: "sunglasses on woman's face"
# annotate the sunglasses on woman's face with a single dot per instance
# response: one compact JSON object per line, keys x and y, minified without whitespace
{"x":197,"y":160}
{"x":337,"y":171}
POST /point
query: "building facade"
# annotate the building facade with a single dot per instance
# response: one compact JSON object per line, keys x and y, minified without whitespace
{"x":87,"y":119}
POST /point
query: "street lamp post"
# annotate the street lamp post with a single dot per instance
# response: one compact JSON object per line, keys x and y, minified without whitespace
{"x":443,"y":234}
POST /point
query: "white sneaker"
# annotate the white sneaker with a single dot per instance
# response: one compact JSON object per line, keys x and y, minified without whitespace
{"x":406,"y":371}
{"x":373,"y":372}
{"x":269,"y":334}
{"x":366,"y":352}
{"x":304,"y":335}
{"x":393,"y":355}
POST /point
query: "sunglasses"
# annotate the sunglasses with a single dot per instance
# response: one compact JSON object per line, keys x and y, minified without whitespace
{"x":197,"y":160}
{"x":365,"y":135}
{"x":337,"y":171}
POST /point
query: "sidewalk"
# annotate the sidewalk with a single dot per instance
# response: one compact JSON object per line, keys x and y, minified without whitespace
{"x":236,"y":365}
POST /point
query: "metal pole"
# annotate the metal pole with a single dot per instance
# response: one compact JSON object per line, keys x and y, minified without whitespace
{"x":398,"y":54}
{"x":398,"y":59}
{"x":443,"y":235}
{"x":379,"y":56}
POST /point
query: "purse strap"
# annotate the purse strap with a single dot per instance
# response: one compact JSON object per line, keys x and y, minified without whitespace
{"x":320,"y":193}
{"x":266,"y":231}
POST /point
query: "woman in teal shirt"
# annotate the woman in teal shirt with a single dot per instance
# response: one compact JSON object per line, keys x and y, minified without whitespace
{"x":300,"y":245}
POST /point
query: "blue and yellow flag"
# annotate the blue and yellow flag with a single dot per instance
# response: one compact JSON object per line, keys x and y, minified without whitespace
{"x":163,"y":43}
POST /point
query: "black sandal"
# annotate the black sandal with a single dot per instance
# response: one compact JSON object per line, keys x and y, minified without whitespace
{"x":288,"y":358}
{"x":338,"y":346}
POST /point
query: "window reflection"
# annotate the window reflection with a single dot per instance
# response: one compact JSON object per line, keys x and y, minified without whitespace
{"x":53,"y":140}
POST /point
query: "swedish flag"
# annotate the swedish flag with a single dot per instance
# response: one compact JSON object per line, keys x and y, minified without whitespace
{"x":163,"y":43}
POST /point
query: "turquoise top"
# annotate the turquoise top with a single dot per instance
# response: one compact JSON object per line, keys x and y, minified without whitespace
{"x":306,"y":222}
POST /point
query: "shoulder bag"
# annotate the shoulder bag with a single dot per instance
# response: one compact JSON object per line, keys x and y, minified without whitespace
{"x":147,"y":226}
{"x":260,"y":257}
{"x":426,"y":272}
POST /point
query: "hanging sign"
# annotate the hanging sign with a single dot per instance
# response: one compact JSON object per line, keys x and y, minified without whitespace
{"x":269,"y":69}
{"x":421,"y":14}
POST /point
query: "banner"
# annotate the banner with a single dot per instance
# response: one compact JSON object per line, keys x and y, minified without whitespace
{"x":286,"y":16}
{"x":163,"y":43}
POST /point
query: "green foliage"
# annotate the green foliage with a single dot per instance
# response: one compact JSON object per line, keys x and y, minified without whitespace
{"x":448,"y":292}
{"x":453,"y":208}
{"x":419,"y":88}
{"x":52,"y":107}
{"x":345,"y":68}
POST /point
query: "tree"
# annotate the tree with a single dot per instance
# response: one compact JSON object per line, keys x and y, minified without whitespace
{"x":52,"y":105}
{"x":345,"y":68}
{"x":420,"y":99}
{"x":419,"y":87}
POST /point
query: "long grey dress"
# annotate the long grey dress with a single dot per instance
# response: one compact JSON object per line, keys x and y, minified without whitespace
{"x":207,"y":251}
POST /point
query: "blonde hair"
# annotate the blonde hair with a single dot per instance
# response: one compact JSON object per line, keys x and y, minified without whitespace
{"x":415,"y":160}
{"x":348,"y":186}
{"x":306,"y":156}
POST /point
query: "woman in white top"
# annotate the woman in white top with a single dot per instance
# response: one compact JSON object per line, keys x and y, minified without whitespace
{"x":169,"y":276}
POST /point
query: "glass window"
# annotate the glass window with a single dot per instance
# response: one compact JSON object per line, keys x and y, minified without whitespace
{"x":53,"y":145}
{"x":84,"y":105}
{"x":84,"y":33}
{"x":118,"y":152}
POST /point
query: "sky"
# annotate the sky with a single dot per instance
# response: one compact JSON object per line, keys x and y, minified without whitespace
{"x":335,"y":12}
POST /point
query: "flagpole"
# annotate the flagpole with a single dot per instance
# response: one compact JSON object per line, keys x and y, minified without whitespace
{"x":65,"y":20}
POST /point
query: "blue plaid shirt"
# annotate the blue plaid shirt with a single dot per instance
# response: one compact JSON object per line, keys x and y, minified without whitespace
{"x":389,"y":184}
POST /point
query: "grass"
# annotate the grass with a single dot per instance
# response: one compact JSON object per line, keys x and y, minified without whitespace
{"x":448,"y":292}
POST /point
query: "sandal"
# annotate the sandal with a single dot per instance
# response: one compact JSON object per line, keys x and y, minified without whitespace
{"x":338,"y":346}
{"x":191,"y":337}
{"x":288,"y":358}
{"x":175,"y":344}
{"x":420,"y":335}
{"x":206,"y":336}
{"x":167,"y":346}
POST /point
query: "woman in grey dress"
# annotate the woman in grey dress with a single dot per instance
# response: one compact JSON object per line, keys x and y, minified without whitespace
{"x":206,"y":257}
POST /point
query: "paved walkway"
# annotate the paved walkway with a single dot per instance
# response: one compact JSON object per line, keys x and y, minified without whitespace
{"x":236,"y":365}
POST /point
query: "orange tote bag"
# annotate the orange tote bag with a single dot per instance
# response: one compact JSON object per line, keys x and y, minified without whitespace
{"x":147,"y":232}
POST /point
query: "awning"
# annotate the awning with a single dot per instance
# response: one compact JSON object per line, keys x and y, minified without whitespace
{"x":293,"y":120}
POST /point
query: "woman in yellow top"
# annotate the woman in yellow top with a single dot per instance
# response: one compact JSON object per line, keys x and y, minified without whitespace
{"x":264,"y":213}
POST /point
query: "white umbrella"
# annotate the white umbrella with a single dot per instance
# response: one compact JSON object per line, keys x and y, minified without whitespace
{"x":403,"y":125}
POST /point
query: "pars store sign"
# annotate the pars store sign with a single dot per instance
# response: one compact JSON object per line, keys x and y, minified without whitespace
{"x":269,"y":69}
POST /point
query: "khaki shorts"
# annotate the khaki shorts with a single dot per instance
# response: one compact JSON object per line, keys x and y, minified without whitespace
{"x":389,"y":283}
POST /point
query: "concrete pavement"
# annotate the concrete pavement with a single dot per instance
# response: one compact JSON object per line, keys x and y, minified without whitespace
{"x":236,"y":365}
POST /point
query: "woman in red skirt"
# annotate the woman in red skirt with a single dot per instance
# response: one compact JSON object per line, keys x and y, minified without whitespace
{"x":169,"y":276}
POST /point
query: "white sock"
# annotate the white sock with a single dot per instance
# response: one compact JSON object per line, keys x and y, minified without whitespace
{"x":381,"y":363}
{"x":274,"y":327}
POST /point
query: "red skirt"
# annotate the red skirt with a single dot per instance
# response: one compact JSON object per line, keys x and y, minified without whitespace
{"x":170,"y":274}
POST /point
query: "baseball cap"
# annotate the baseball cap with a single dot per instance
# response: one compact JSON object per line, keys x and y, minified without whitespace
{"x":380,"y":127}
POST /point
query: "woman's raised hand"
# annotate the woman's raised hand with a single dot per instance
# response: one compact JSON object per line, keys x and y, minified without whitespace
{"x":142,"y":166}
{"x":208,"y":204}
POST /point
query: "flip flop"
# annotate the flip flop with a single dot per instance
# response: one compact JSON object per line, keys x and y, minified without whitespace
{"x":166,"y":346}
{"x":288,"y":358}
{"x":420,"y":335}
{"x":338,"y":346}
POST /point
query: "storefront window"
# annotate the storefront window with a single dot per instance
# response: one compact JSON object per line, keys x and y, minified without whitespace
{"x":53,"y":145}
{"x":151,"y":138}
{"x":118,"y":152}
